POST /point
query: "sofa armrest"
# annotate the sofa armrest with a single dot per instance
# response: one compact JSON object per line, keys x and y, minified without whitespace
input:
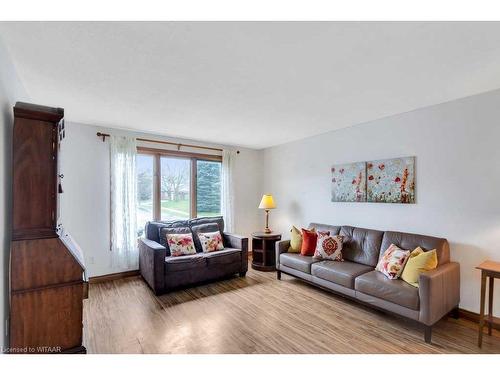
{"x":152,"y":263}
{"x":439,"y":292}
{"x":235,"y":241}
{"x":238,"y":242}
{"x":281,"y":247}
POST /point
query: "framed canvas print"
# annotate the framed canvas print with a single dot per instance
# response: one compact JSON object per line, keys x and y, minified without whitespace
{"x":349,"y":182}
{"x":391,"y":180}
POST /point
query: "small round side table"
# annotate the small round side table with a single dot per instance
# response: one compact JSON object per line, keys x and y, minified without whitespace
{"x":263,"y":251}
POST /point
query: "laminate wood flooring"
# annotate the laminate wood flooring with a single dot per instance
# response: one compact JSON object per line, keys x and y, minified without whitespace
{"x":257,"y":314}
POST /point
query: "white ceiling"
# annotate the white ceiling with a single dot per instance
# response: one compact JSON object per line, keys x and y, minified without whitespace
{"x":254,"y":84}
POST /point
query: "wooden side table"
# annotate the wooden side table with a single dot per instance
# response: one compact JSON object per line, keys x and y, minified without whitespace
{"x":492,"y":270}
{"x":263,"y":251}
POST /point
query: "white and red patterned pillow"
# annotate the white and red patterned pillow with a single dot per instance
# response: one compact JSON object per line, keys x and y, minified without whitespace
{"x":393,"y":261}
{"x":329,"y":247}
{"x":180,"y":244}
{"x":211,"y":241}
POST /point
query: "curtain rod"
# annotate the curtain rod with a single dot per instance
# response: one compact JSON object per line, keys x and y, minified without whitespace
{"x":179,"y":145}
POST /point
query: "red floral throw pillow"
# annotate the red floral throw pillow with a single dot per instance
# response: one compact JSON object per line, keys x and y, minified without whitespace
{"x":309,"y":238}
{"x":180,"y":244}
{"x":329,"y":247}
{"x":393,"y":261}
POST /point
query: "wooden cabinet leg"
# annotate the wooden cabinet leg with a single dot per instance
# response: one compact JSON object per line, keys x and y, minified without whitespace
{"x":481,"y":312}
{"x":490,"y":304}
{"x":278,"y":275}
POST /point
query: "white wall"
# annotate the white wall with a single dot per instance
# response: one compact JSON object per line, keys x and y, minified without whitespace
{"x":457,"y":180}
{"x":11,"y":91}
{"x":5,"y":194}
{"x":85,"y":204}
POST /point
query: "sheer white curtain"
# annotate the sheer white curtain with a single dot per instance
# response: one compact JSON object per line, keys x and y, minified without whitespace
{"x":123,"y":203}
{"x":227,"y":206}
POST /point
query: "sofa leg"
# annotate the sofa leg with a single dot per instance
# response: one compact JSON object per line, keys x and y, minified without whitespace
{"x":455,"y":313}
{"x":278,"y":274}
{"x":243,"y":274}
{"x":428,"y":334}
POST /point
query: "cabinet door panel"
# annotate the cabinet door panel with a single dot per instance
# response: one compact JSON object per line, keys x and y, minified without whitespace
{"x":34,"y":179}
{"x":42,"y":263}
{"x":47,"y":318}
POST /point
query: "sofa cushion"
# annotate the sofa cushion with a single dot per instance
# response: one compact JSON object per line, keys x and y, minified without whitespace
{"x":298,"y":262}
{"x":226,"y":256}
{"x":208,"y":220}
{"x":202,"y":260}
{"x":171,"y":230}
{"x":342,"y":273}
{"x":309,"y":240}
{"x":420,"y":261}
{"x":393,"y":262}
{"x":295,"y":240}
{"x":210,"y":241}
{"x":183,"y":263}
{"x":412,"y":241}
{"x":377,"y":285}
{"x":152,"y":231}
{"x":203,"y":228}
{"x":329,"y":247}
{"x":361,"y":245}
{"x":181,"y":244}
{"x":333,"y":229}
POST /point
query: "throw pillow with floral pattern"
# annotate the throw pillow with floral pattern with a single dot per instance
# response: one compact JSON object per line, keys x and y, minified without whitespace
{"x":181,"y":244}
{"x":393,"y":262}
{"x":211,"y":241}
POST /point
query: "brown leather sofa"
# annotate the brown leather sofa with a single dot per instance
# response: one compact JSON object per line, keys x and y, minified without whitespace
{"x":356,"y":278}
{"x":163,"y":272}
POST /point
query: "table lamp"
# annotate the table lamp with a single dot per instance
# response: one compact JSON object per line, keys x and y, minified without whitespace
{"x":267,"y":203}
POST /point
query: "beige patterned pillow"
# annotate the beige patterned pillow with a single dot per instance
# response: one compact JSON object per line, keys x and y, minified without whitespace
{"x":211,"y":241}
{"x":329,"y":247}
{"x":393,"y":262}
{"x":180,"y":244}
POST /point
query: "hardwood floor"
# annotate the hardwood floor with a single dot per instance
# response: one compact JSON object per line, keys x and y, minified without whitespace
{"x":257,"y":314}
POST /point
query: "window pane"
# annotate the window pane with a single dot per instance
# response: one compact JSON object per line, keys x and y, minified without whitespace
{"x":144,"y":191}
{"x":208,"y":188}
{"x":175,"y":183}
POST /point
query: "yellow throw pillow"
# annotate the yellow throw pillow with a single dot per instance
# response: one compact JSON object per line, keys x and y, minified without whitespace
{"x":295,"y":240}
{"x":419,"y":261}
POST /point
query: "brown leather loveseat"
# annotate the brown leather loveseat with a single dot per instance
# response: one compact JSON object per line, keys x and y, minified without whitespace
{"x":163,"y":272}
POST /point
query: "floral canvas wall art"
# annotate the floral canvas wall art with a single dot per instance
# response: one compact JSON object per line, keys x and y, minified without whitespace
{"x":349,"y":182}
{"x":391,"y":180}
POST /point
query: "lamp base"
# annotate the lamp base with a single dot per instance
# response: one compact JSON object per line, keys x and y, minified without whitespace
{"x":266,"y":229}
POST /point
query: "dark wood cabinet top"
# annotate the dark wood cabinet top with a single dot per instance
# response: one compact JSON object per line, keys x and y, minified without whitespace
{"x":38,"y":112}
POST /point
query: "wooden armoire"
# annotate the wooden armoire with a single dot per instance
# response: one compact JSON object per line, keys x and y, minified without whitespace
{"x":47,"y":272}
